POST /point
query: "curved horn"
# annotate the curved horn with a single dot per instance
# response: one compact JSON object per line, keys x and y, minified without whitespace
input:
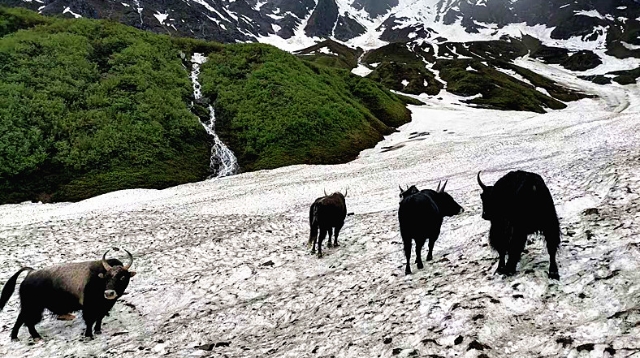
{"x":443,"y":185}
{"x":345,"y":192}
{"x":401,"y":191}
{"x":480,"y":182}
{"x":325,"y":192}
{"x":104,"y":261}
{"x":438,"y":188}
{"x":126,"y":267}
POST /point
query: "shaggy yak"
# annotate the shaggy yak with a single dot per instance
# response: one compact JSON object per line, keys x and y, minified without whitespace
{"x":326,"y":215}
{"x":91,"y":286}
{"x":517,"y":205}
{"x":421,"y":214}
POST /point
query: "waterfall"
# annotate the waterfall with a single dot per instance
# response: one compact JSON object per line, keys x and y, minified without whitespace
{"x":223,"y":161}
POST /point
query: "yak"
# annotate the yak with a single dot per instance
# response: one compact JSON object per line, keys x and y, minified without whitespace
{"x":421,"y":214}
{"x":90,"y":286}
{"x":520,"y":204}
{"x":326,"y":215}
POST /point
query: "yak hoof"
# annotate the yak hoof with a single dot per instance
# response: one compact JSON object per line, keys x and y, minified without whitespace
{"x":329,"y":245}
{"x":319,"y":255}
{"x":407,"y":271}
{"x":420,"y":265}
{"x":554,"y":276}
{"x":335,"y":244}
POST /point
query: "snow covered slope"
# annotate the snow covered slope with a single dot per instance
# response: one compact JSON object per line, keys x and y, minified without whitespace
{"x":223,"y":268}
{"x":579,"y":24}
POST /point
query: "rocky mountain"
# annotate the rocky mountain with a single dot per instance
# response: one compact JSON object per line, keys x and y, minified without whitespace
{"x":584,"y":24}
{"x":402,"y":43}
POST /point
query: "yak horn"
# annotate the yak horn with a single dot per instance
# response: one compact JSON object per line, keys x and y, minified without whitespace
{"x":104,"y":261}
{"x":325,"y":192}
{"x":443,"y":185}
{"x":480,"y":182}
{"x":126,"y":267}
{"x":345,"y":192}
{"x":438,"y":188}
{"x":401,"y":191}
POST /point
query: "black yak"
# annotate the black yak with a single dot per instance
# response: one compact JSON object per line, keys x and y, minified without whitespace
{"x":91,"y":286}
{"x":517,"y":205}
{"x":326,"y":215}
{"x":420,"y":214}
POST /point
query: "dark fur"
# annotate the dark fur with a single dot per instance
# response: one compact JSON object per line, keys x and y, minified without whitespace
{"x":520,"y":204}
{"x":326,"y":215}
{"x":41,"y":289}
{"x":421,"y":214}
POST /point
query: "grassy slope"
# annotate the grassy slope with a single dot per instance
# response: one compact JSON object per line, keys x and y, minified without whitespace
{"x":275,"y":109}
{"x":88,"y":107}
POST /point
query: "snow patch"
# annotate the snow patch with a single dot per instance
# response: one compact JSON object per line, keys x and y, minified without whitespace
{"x":161,"y":17}
{"x":361,"y":70}
{"x":68,"y":10}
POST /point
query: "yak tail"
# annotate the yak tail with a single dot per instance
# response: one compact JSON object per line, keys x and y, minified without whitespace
{"x":313,"y":222}
{"x":10,"y":286}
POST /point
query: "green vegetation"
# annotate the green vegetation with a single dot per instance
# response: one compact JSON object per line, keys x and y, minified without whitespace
{"x":395,"y":63}
{"x":340,"y":56}
{"x":626,"y":77}
{"x":498,"y":89}
{"x":274,"y":109}
{"x":88,"y":107}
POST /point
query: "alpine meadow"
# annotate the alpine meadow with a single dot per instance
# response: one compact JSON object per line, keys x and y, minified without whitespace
{"x":92,"y":106}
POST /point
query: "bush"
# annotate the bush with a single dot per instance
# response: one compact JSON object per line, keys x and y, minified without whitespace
{"x":275,"y":109}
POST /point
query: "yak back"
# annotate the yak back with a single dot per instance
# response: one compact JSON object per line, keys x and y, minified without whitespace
{"x":65,"y":288}
{"x":330,"y":210}
{"x":419,"y":212}
{"x":523,"y":198}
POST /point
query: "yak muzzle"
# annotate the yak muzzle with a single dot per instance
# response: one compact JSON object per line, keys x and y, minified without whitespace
{"x":110,"y":294}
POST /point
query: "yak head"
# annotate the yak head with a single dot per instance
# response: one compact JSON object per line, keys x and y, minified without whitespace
{"x":405,"y":193}
{"x":117,"y":277}
{"x":446,"y":204}
{"x":487,"y":199}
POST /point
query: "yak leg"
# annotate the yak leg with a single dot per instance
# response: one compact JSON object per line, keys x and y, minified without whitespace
{"x":323,"y":233}
{"x":516,"y":246}
{"x":552,"y":237}
{"x":499,"y":241}
{"x":407,"y":253}
{"x":30,"y":317}
{"x":313,"y":237}
{"x":501,"y":265}
{"x":330,"y":231}
{"x":89,"y":316}
{"x":335,"y":237}
{"x":98,"y":327}
{"x":33,"y":332}
{"x":432,"y":241}
{"x":16,"y":327}
{"x":419,"y":244}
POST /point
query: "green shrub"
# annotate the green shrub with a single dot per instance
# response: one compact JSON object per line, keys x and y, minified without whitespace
{"x":275,"y":109}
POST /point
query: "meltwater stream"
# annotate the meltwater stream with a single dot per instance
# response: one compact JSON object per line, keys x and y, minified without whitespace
{"x":223,"y":161}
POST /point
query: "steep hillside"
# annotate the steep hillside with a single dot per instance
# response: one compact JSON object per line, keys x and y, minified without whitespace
{"x":92,"y":106}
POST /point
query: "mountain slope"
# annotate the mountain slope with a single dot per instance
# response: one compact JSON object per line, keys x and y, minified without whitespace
{"x":89,"y":107}
{"x":223,"y":268}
